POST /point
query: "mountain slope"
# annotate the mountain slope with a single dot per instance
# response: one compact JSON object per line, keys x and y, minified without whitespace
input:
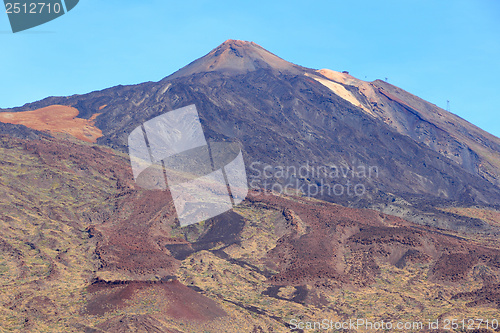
{"x":287,"y":116}
{"x":83,"y":249}
{"x":451,"y":136}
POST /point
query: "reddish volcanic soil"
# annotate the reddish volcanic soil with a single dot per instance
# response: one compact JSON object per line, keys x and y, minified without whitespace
{"x":316,"y":257}
{"x":56,"y":118}
{"x":181,"y":302}
{"x":133,"y":243}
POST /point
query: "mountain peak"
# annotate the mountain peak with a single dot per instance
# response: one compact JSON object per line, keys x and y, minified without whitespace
{"x":238,"y":42}
{"x":237,"y":57}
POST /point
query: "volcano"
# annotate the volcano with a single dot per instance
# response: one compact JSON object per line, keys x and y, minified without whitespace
{"x":237,"y":57}
{"x":364,"y":201}
{"x":405,"y":155}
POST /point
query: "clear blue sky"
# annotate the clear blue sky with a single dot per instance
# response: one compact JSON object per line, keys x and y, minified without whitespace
{"x":439,"y":50}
